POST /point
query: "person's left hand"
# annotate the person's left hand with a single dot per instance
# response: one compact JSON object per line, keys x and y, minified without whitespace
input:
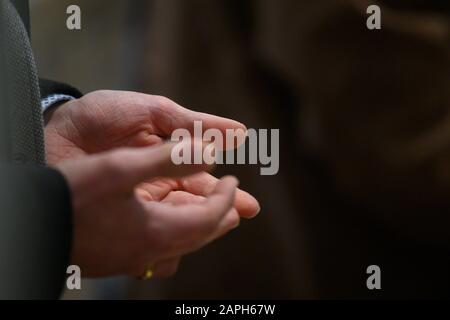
{"x":105,"y":120}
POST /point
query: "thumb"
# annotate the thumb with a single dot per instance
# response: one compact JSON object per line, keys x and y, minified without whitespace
{"x":120,"y":170}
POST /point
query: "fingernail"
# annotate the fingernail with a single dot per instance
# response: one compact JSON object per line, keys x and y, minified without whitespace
{"x":256,"y":212}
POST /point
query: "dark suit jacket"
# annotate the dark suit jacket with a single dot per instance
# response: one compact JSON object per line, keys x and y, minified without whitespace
{"x":35,"y":208}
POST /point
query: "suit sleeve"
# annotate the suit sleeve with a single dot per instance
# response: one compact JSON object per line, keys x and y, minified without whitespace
{"x":49,"y":87}
{"x":35,"y":232}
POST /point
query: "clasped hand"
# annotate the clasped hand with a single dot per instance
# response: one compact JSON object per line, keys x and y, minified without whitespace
{"x":133,"y":208}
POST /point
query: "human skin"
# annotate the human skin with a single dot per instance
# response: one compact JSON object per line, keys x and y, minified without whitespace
{"x":123,"y":225}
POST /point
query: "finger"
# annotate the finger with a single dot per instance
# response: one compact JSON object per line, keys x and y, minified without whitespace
{"x":191,"y":225}
{"x":221,"y":200}
{"x":178,"y":198}
{"x":192,"y":218}
{"x":157,"y":189}
{"x":125,"y":168}
{"x":166,"y":268}
{"x":171,"y":116}
{"x":203,"y":184}
{"x":188,"y":244}
{"x":228,"y":223}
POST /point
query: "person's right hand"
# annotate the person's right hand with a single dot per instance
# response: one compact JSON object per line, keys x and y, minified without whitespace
{"x":118,"y":231}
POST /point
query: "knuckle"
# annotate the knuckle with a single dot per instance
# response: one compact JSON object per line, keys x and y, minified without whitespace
{"x":234,"y":220}
{"x":164,"y":102}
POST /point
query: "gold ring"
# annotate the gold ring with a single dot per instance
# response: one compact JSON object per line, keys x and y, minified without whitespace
{"x":148,"y":274}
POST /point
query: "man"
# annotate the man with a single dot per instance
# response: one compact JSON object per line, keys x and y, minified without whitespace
{"x":105,"y":206}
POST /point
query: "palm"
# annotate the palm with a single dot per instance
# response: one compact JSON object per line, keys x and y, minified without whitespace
{"x":178,"y":191}
{"x":86,"y":126}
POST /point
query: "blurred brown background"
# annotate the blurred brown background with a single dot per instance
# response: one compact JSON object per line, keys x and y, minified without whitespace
{"x":364,"y":126}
